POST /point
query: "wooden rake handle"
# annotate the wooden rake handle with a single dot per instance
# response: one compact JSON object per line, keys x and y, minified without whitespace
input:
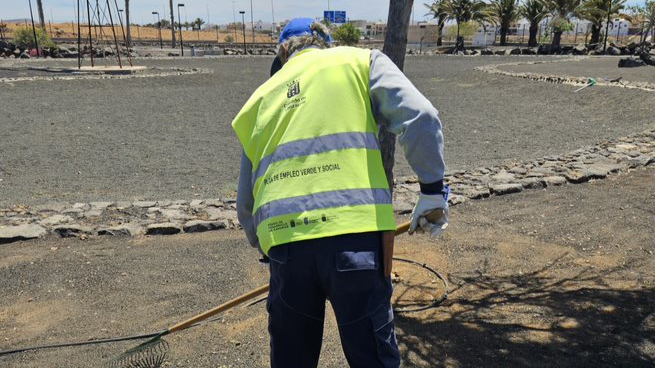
{"x":401,"y":229}
{"x":221,"y":308}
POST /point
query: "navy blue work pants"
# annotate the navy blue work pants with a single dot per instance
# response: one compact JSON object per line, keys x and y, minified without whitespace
{"x":347,"y":270}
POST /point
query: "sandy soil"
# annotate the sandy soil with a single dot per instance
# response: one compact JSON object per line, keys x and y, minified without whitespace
{"x":550,"y":278}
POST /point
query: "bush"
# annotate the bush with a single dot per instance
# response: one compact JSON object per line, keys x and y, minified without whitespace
{"x":347,"y":35}
{"x":24,"y":38}
{"x":467,"y":30}
{"x":229,"y":39}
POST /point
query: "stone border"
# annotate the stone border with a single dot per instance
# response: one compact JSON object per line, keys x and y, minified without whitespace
{"x":173,"y":217}
{"x":575,"y":81}
{"x":165,"y":72}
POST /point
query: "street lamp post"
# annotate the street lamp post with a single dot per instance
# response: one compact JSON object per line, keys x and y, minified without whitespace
{"x":161,"y":45}
{"x":252,"y":23}
{"x":607,"y":27}
{"x":234,"y":21}
{"x":179,"y":22}
{"x":618,"y":32}
{"x":422,"y":27}
{"x":243,"y":24}
{"x":36,"y":42}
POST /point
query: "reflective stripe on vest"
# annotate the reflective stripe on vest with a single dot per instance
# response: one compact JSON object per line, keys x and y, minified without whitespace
{"x":310,"y":135}
{"x":337,"y":198}
{"x":305,"y":147}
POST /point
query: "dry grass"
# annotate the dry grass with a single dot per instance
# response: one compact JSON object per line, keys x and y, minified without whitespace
{"x":139,"y":33}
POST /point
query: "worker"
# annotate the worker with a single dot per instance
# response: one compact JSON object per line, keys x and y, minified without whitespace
{"x":313,"y":196}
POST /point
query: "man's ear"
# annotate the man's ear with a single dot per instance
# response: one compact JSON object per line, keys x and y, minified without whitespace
{"x":285,"y":53}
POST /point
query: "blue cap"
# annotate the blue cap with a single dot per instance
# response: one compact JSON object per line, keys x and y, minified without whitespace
{"x":300,"y":27}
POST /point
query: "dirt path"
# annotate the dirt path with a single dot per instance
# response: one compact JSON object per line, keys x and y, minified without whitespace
{"x":554,"y":278}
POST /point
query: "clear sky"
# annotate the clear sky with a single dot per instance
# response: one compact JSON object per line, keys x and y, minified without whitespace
{"x":219,"y":11}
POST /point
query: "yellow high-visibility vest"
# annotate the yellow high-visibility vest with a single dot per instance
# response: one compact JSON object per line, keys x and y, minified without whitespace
{"x":312,"y":140}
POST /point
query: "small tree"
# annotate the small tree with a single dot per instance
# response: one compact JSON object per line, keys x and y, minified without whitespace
{"x":3,"y":30}
{"x":347,"y":35}
{"x":463,"y":11}
{"x":466,"y":30}
{"x":229,"y":38}
{"x":595,"y":11}
{"x":648,"y":19}
{"x":562,"y":11}
{"x":24,"y":38}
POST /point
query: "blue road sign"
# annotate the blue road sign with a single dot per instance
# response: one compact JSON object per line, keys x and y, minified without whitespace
{"x":328,"y":15}
{"x":340,"y":17}
{"x":332,"y":16}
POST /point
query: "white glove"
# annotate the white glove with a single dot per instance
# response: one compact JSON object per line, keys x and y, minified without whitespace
{"x":426,"y":204}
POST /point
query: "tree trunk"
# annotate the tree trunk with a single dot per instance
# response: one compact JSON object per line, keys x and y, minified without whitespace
{"x":395,"y":47}
{"x":172,"y":25}
{"x":534,"y":29}
{"x":127,"y":23}
{"x":440,"y":34}
{"x":504,"y":30}
{"x":595,"y":34}
{"x":557,"y":38}
{"x":503,"y":36}
{"x":39,"y":6}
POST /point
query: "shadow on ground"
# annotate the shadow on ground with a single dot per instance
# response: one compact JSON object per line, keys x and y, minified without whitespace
{"x":535,"y":320}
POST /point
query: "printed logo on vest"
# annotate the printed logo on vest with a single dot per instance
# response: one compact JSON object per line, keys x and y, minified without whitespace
{"x":294,"y":88}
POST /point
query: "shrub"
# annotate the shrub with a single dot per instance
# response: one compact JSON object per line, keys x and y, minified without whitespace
{"x":24,"y":38}
{"x":467,"y":30}
{"x":347,"y":35}
{"x":229,"y":38}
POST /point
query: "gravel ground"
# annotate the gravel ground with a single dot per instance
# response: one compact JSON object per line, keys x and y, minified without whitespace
{"x":545,"y":278}
{"x":560,"y":277}
{"x":170,"y":138}
{"x":591,"y":67}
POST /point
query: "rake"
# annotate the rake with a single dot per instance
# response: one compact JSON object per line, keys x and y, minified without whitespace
{"x":151,"y":354}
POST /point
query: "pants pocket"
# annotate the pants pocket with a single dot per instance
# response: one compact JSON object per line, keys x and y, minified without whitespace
{"x":356,"y":261}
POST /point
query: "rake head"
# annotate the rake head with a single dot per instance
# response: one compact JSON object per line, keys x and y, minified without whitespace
{"x":150,"y":354}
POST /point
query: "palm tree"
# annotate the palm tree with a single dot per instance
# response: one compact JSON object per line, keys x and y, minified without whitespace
{"x":39,"y":6}
{"x":595,"y":11}
{"x":504,"y":12}
{"x":534,"y":11}
{"x":562,"y":11}
{"x":198,"y":23}
{"x":648,"y":19}
{"x":436,"y":10}
{"x":462,"y":11}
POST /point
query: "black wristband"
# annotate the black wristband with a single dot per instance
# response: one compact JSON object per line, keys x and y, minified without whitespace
{"x":432,"y":188}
